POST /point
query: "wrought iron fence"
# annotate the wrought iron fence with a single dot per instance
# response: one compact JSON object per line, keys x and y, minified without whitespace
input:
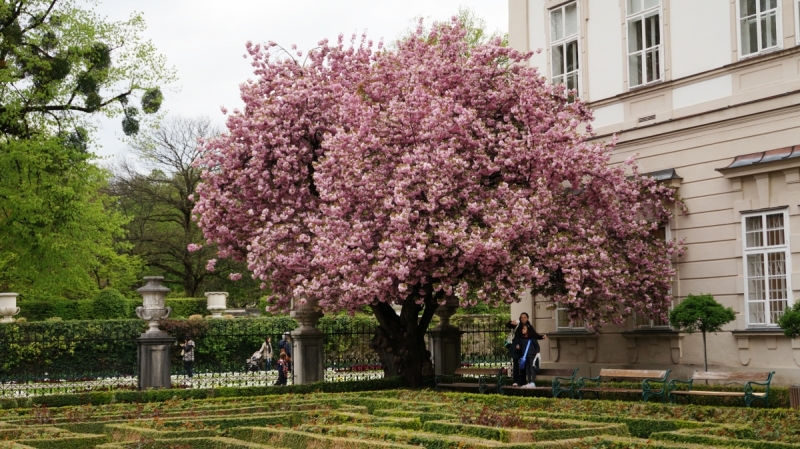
{"x":76,"y":357}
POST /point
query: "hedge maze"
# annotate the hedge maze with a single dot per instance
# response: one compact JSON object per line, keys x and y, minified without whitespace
{"x":396,"y":419}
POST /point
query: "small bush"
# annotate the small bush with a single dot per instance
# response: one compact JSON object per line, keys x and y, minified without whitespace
{"x":109,"y":304}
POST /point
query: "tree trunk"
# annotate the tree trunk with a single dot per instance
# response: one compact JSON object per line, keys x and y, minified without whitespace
{"x":705,"y":352}
{"x":400,"y":339}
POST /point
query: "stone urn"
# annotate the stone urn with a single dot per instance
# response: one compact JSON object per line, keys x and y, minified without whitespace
{"x":153,"y":309}
{"x":8,"y":307}
{"x":217,"y":303}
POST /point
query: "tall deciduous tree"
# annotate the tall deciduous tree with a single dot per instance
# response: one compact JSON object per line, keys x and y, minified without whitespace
{"x":159,"y":203}
{"x":416,"y":174}
{"x":58,"y":65}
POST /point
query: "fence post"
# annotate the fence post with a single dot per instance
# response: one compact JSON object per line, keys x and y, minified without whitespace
{"x":446,"y":340}
{"x":154,"y":346}
{"x":308,"y":345}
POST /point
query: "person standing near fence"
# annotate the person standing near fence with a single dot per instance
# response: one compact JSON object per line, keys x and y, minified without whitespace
{"x":188,"y":356}
{"x":266,"y":354}
{"x":282,"y":369}
{"x":519,"y":375}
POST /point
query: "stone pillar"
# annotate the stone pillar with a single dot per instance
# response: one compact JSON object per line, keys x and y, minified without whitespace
{"x":308,"y":345}
{"x":524,"y":305}
{"x":8,"y":307}
{"x":446,"y":340}
{"x":154,"y":345}
{"x":154,"y":361}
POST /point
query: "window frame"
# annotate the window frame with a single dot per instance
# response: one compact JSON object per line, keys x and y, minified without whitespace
{"x":643,"y":14}
{"x":778,"y":32}
{"x":571,"y":325}
{"x":563,"y":43}
{"x":797,"y":21}
{"x":766,"y":249}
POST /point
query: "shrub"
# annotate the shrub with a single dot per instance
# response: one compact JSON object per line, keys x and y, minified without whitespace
{"x":109,"y":304}
{"x":790,"y":321}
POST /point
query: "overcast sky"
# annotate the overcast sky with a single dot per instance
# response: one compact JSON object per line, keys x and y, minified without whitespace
{"x":204,"y":40}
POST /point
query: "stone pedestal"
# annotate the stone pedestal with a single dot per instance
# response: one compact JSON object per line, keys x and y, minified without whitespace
{"x":154,"y":361}
{"x":308,"y":345}
{"x":446,"y":341}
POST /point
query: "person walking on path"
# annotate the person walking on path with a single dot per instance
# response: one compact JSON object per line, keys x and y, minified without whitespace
{"x":266,"y":354}
{"x":188,"y":356}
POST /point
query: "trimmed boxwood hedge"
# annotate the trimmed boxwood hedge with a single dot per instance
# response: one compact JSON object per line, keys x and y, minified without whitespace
{"x":98,"y":398}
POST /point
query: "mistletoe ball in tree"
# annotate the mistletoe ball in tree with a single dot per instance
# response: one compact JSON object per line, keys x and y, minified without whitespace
{"x":372,"y":176}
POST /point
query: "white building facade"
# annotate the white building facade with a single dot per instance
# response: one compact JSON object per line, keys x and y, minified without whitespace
{"x":707,"y":95}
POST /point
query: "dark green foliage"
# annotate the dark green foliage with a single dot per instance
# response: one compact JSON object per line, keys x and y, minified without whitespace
{"x":109,"y":304}
{"x":151,"y":100}
{"x":700,"y":312}
{"x":790,"y":321}
{"x":703,"y":313}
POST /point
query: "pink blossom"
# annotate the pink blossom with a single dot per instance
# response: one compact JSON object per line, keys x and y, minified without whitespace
{"x":193,"y":247}
{"x":369,"y":176}
{"x":211,"y":265}
{"x":235,"y":276}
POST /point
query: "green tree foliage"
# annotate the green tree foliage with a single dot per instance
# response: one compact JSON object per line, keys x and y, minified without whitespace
{"x":703,"y":313}
{"x":109,"y":304}
{"x":790,"y":321}
{"x":59,"y":64}
{"x":58,"y":61}
{"x":57,"y":235}
{"x":160,"y":209}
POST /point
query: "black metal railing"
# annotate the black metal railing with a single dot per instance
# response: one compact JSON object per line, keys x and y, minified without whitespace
{"x":74,"y":357}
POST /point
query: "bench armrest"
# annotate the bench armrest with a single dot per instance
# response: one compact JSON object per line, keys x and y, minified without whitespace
{"x":673,"y":384}
{"x":445,"y":378}
{"x":582,"y":381}
{"x":559,"y":378}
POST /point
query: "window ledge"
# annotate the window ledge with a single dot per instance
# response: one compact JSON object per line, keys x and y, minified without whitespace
{"x":674,"y":337}
{"x":770,"y":335}
{"x":758,"y":332}
{"x":557,"y":340}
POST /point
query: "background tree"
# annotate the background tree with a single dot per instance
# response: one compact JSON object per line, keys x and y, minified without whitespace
{"x":58,"y":65}
{"x":158,"y":201}
{"x":703,"y":313}
{"x":416,"y":174}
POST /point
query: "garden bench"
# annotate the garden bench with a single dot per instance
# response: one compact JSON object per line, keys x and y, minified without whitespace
{"x":647,"y":377}
{"x":762,"y":379}
{"x":559,"y":377}
{"x":489,"y":379}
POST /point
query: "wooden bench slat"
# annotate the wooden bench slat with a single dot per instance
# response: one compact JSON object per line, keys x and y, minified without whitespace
{"x":612,"y":390}
{"x":476,"y":371}
{"x":551,"y":372}
{"x":632,"y":373}
{"x":744,"y":376}
{"x":710,"y":393}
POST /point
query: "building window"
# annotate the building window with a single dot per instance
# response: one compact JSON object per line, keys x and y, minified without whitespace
{"x":758,"y":25}
{"x":563,"y":323}
{"x":642,"y":321}
{"x":564,"y":45}
{"x":797,"y":20}
{"x":644,"y":41}
{"x":766,"y":267}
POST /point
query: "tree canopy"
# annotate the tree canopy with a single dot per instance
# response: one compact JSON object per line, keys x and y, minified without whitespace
{"x":703,"y":313}
{"x":416,"y":174}
{"x":59,"y":64}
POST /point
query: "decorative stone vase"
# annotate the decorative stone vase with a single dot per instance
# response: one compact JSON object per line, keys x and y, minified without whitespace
{"x":216,"y":303}
{"x":8,"y":307}
{"x":152,"y":309}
